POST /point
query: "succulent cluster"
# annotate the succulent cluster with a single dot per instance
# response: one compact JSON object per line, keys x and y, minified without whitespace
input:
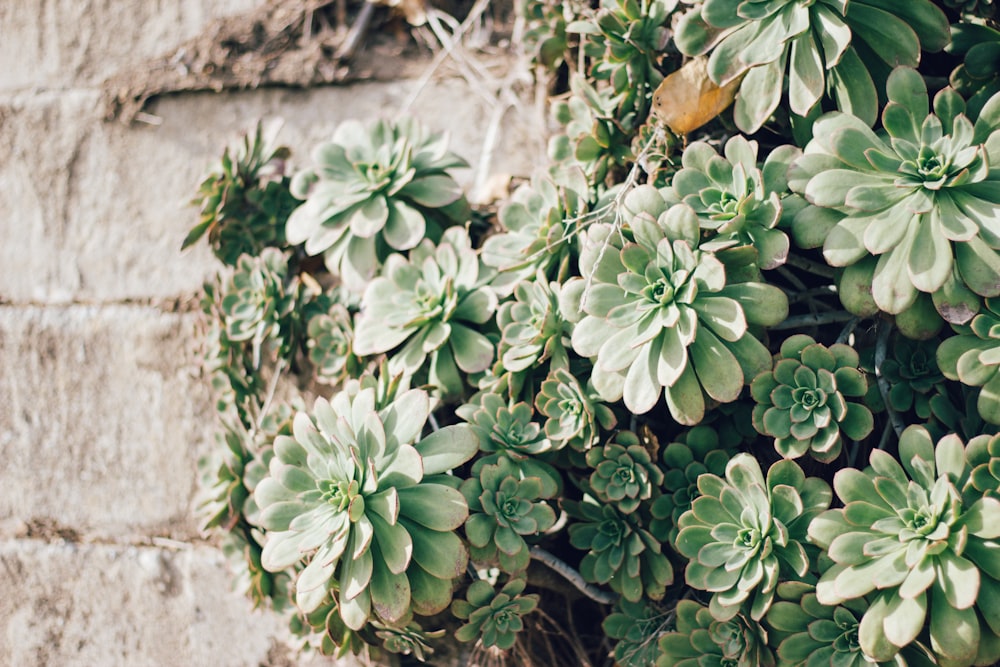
{"x":687,"y":396}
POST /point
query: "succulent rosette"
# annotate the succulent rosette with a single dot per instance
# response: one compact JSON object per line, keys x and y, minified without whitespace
{"x":825,"y":47}
{"x":661,"y":317}
{"x":375,"y":190}
{"x":983,"y":452}
{"x":918,"y":538}
{"x":331,"y":345}
{"x":576,"y":415}
{"x":408,"y":639}
{"x":699,"y":639}
{"x":624,"y":474}
{"x":912,"y":371}
{"x":977,"y":79}
{"x":807,"y":632}
{"x":358,"y":496}
{"x":973,"y":357}
{"x":505,"y":507}
{"x":802,"y":402}
{"x":620,"y":551}
{"x":695,"y":452}
{"x":744,"y":533}
{"x":540,"y":225}
{"x":493,"y":617}
{"x":921,"y":196}
{"x":430,"y":306}
{"x":636,"y":627}
{"x":734,"y":198}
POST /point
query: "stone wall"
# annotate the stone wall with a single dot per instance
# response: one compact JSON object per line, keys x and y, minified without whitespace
{"x":103,"y":408}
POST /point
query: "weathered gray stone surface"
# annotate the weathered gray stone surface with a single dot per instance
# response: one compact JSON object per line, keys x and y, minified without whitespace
{"x":97,"y":211}
{"x":131,"y":606}
{"x":60,"y":43}
{"x":102,"y":418}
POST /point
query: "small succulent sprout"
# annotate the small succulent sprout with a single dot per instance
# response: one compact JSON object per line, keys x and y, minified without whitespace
{"x":802,"y":402}
{"x":636,"y":627}
{"x":427,"y":310}
{"x":533,"y":332}
{"x":744,"y":534}
{"x":256,"y":302}
{"x":325,"y":631}
{"x":375,"y":190}
{"x":407,"y":639}
{"x":331,"y":345}
{"x":624,"y":473}
{"x":918,"y":538}
{"x":504,"y":507}
{"x":807,"y":632}
{"x":921,"y":196}
{"x":493,"y":618}
{"x":697,"y":451}
{"x":625,"y":39}
{"x":272,"y":590}
{"x":661,"y":318}
{"x":545,"y":32}
{"x":973,"y":358}
{"x":540,"y":225}
{"x":620,"y":552}
{"x":983,"y":452}
{"x":814,"y":43}
{"x":245,"y":200}
{"x":223,"y":491}
{"x":700,"y":639}
{"x":734,"y":198}
{"x":913,"y":375}
{"x":360,"y":498}
{"x":576,"y":415}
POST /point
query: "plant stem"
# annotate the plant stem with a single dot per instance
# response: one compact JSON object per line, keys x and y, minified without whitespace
{"x":797,"y":321}
{"x":572,"y":576}
{"x":812,"y":267}
{"x":881,"y":346}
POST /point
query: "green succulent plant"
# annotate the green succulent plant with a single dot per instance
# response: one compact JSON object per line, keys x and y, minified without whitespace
{"x":533,"y":333}
{"x":695,"y":452}
{"x":807,"y":632}
{"x":661,"y":317}
{"x":493,"y":618}
{"x":331,"y":345}
{"x":545,"y":31}
{"x":624,"y":474}
{"x":828,"y":48}
{"x":744,"y":534}
{"x":802,"y":402}
{"x":509,"y":431}
{"x":911,"y":369}
{"x":222,"y":489}
{"x":244,"y":201}
{"x":973,"y":357}
{"x":625,"y":39}
{"x":734,"y":198}
{"x":977,"y":79}
{"x":921,"y":197}
{"x":575,"y":415}
{"x":355,"y":493}
{"x":699,"y":639}
{"x":980,"y":8}
{"x":983,"y":452}
{"x":430,"y":306}
{"x":241,"y":549}
{"x":637,"y":627}
{"x":375,"y":190}
{"x":619,"y":551}
{"x":540,"y":225}
{"x":324,"y":630}
{"x":407,"y":639}
{"x":505,"y":506}
{"x":919,"y":538}
{"x":258,"y":302}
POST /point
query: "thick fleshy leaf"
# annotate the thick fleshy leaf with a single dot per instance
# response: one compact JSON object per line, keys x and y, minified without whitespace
{"x":435,"y":506}
{"x":448,"y":448}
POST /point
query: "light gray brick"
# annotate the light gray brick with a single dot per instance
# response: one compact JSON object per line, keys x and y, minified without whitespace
{"x":81,"y":605}
{"x":67,"y":43}
{"x":102,"y":418}
{"x":97,"y":211}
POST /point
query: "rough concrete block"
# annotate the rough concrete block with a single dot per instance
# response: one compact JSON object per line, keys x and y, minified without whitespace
{"x":72,"y":43}
{"x":74,"y":604}
{"x":102,"y":418}
{"x":99,"y":213}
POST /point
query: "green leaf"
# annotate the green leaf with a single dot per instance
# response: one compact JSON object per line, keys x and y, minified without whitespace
{"x":448,"y":448}
{"x":716,"y":367}
{"x":390,"y":594}
{"x":435,"y":506}
{"x":434,"y":191}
